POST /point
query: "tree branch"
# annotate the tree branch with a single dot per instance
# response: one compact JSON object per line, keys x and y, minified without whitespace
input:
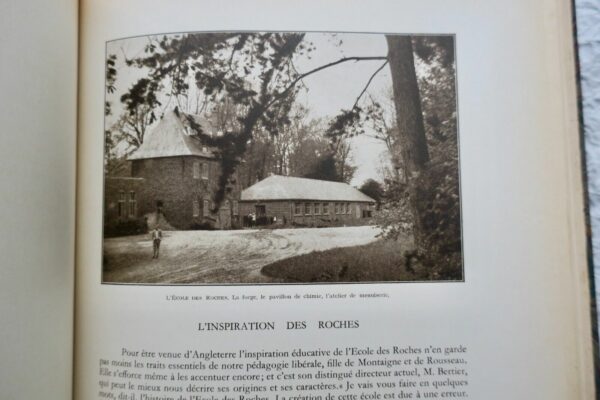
{"x":322,"y":67}
{"x":369,"y":82}
{"x":382,"y":138}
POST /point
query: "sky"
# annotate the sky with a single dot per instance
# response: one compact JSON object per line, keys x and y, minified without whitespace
{"x":328,"y":91}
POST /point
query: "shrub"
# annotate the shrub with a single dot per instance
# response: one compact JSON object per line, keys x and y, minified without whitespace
{"x":436,"y":193}
{"x":127,"y":227}
{"x":437,"y":199}
{"x":203,"y":226}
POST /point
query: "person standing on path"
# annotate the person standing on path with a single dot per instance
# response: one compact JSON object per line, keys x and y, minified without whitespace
{"x":156,"y":238}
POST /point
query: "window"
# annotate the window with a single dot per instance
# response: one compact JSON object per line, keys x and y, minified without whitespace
{"x":325,"y":208}
{"x":121,"y":204}
{"x":236,"y":208}
{"x":349,"y":208}
{"x":337,"y":208}
{"x":307,"y":208}
{"x":204,"y":170}
{"x":206,"y":208}
{"x":196,"y":208}
{"x":297,"y":208}
{"x":132,"y":204}
{"x":196,"y":170}
{"x":317,"y":208}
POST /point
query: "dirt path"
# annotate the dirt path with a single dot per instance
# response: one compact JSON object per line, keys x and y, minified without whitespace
{"x":219,"y":256}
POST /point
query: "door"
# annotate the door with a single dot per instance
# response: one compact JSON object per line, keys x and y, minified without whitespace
{"x":261,"y":215}
{"x":261,"y":211}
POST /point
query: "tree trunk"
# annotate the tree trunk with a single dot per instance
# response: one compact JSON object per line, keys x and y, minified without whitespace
{"x":410,"y":145}
{"x":411,"y":141}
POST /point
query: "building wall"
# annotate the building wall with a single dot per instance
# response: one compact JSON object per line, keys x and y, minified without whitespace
{"x":121,"y":198}
{"x":279,"y":209}
{"x":286,"y":212}
{"x":183,"y":192}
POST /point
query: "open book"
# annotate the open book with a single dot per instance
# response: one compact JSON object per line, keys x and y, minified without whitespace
{"x":293,"y":200}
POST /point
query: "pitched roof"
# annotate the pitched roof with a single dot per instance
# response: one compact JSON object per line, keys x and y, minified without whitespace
{"x":174,"y":136}
{"x":277,"y":187}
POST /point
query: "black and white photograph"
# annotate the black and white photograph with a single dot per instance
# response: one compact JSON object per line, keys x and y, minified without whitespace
{"x":281,"y":158}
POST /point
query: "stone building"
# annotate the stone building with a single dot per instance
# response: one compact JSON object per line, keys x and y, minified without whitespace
{"x":308,"y":202}
{"x":173,"y":179}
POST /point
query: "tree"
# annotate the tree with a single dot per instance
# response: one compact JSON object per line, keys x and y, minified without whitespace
{"x":373,"y":189}
{"x":411,"y":140}
{"x":110,"y":78}
{"x":333,"y":163}
{"x":411,"y":143}
{"x":343,"y":159}
{"x":132,"y":126}
{"x":438,"y":186}
{"x":296,"y":150}
{"x":325,"y":169}
{"x":422,"y":190}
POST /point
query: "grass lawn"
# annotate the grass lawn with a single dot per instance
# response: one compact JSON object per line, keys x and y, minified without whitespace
{"x":382,"y":260}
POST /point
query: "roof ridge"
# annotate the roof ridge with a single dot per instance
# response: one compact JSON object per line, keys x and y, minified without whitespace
{"x":305,"y":178}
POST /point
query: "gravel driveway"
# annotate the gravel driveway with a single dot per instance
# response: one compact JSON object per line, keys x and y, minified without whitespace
{"x":219,"y":256}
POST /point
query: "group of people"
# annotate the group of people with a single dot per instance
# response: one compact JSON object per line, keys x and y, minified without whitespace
{"x":252,"y":220}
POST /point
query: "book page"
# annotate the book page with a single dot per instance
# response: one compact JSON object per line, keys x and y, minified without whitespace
{"x":38,"y":110}
{"x":342,"y":201}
